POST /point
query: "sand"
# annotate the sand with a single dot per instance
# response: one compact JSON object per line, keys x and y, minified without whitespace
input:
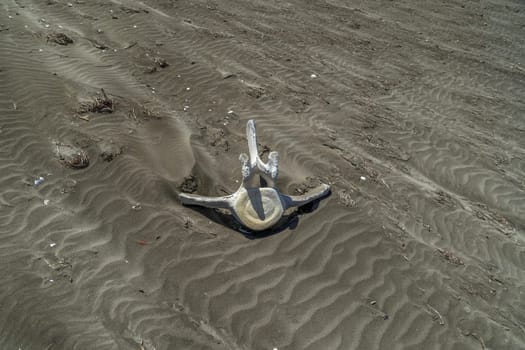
{"x":412,"y":110}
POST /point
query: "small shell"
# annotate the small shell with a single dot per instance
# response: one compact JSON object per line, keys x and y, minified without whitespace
{"x":258,"y":208}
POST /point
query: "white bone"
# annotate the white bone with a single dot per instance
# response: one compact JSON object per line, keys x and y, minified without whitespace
{"x":256,"y":207}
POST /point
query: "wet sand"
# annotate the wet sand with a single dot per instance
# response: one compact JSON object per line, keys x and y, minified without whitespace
{"x":424,"y":100}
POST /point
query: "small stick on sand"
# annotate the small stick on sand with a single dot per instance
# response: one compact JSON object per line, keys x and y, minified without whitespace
{"x":478,"y":338}
{"x":129,"y":46}
{"x":441,"y":321}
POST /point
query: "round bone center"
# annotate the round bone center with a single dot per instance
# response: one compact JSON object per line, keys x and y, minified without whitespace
{"x":259,"y":208}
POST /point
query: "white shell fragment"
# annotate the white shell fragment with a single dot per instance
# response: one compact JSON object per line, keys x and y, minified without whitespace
{"x":254,"y":206}
{"x":38,"y":181}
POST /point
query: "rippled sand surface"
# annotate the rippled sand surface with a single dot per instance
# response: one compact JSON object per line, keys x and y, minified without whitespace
{"x":412,"y":110}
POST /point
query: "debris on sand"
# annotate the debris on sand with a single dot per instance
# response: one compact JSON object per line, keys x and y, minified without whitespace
{"x":436,"y":315}
{"x":109,"y":151}
{"x":102,"y":104}
{"x":158,"y":62}
{"x":307,"y":185}
{"x":444,"y":199}
{"x":189,"y":185}
{"x":188,"y":223}
{"x":161,"y":62}
{"x":142,"y":112}
{"x":346,"y":199}
{"x":129,"y":46}
{"x":131,"y":10}
{"x":59,"y":38}
{"x":98,"y":45}
{"x":71,"y":156}
{"x":450,"y":257}
{"x":255,"y":91}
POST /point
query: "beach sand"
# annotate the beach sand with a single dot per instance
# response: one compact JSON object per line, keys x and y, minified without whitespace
{"x":412,"y":110}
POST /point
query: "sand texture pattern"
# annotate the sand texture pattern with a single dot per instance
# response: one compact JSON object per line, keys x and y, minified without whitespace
{"x":413,"y":111}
